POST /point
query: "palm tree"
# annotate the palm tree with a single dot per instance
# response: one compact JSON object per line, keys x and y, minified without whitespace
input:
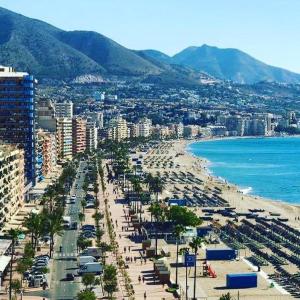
{"x":13,"y":235}
{"x":49,"y":195}
{"x":156,"y":185}
{"x":195,"y":244}
{"x":178,"y":230}
{"x":34,"y":223}
{"x":158,"y":212}
{"x":54,"y":225}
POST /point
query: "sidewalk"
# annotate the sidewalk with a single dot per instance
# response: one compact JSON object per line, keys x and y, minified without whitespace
{"x":133,"y":251}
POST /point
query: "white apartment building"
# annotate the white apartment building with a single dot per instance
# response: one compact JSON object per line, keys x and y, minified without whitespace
{"x":91,"y":136}
{"x":144,"y":127}
{"x":64,"y":138}
{"x":118,"y":129}
{"x":11,"y":181}
{"x":64,"y":109}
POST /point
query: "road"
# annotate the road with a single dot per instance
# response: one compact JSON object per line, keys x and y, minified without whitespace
{"x":66,"y":261}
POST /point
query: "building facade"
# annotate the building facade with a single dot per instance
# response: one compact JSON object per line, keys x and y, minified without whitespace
{"x":17,"y":115}
{"x":118,"y":129}
{"x":79,"y":135}
{"x":91,"y":136}
{"x":46,"y":117}
{"x":64,"y":109}
{"x":11,"y":181}
{"x":64,"y":138}
{"x":46,"y":153}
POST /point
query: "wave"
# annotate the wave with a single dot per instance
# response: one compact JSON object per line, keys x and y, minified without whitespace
{"x":246,"y":190}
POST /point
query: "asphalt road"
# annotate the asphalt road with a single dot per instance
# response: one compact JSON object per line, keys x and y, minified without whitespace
{"x":66,"y":261}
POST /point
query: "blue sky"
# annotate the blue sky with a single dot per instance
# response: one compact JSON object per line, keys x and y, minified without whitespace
{"x":267,"y":29}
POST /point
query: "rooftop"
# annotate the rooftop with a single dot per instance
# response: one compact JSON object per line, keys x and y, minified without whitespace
{"x":10,"y":72}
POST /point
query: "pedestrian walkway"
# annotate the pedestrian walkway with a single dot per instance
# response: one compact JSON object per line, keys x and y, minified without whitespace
{"x":139,"y":269}
{"x":65,"y":254}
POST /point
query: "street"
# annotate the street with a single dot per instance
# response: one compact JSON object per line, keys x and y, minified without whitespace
{"x":66,"y":261}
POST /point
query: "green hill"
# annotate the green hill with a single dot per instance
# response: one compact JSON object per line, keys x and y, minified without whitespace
{"x":49,"y":52}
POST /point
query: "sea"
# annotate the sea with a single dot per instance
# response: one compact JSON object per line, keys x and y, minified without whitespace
{"x":266,"y":167}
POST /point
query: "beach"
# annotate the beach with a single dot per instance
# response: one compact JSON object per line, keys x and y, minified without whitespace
{"x":188,"y":177}
{"x":184,"y":161}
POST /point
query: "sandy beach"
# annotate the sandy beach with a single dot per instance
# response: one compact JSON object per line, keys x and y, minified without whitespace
{"x":188,"y":177}
{"x":185,"y":162}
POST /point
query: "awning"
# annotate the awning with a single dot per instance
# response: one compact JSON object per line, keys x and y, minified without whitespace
{"x":4,"y":261}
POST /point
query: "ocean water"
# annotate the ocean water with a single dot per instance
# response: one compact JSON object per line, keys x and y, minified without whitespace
{"x":266,"y":167}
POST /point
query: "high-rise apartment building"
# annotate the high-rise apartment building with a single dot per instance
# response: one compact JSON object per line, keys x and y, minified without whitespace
{"x":46,"y":153}
{"x":79,"y":135}
{"x":118,"y":129}
{"x":144,"y":127}
{"x":17,"y":115}
{"x":46,"y":117}
{"x":98,"y":117}
{"x":91,"y":136}
{"x":11,"y":181}
{"x":64,"y":138}
{"x":64,"y":109}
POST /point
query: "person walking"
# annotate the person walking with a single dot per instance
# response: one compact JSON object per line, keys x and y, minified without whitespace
{"x":145,"y":295}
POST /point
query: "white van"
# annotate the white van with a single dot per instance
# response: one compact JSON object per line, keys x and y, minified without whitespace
{"x":91,"y":267}
{"x":82,"y":260}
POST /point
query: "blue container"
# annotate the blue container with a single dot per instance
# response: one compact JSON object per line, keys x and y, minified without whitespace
{"x":241,"y":281}
{"x":221,"y":254}
{"x":204,"y":231}
{"x":189,"y":260}
{"x":179,"y":202}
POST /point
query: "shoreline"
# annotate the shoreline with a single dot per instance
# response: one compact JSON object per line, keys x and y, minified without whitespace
{"x":218,"y":178}
{"x":184,"y":162}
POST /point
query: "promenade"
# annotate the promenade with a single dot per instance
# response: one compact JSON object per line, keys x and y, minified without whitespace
{"x":138,"y":266}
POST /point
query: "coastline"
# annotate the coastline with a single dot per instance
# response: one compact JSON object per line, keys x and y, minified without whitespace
{"x":240,"y":188}
{"x":188,"y":163}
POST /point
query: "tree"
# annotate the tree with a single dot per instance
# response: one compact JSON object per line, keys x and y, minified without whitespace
{"x":83,"y":205}
{"x":49,"y":196}
{"x":81,"y":217}
{"x":156,"y":185}
{"x":105,"y":248}
{"x":13,"y":235}
{"x":54,"y":225}
{"x":86,"y":295}
{"x":158,"y":213}
{"x":16,"y":286}
{"x":28,"y":250}
{"x":195,"y":244}
{"x":88,"y":280}
{"x":178,"y":230}
{"x":35,"y":225}
{"x":23,"y":265}
{"x":110,"y":280}
{"x":182,"y":216}
{"x":83,"y":243}
{"x":226,"y":297}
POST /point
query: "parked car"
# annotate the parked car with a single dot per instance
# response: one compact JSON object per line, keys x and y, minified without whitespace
{"x":70,"y":277}
{"x":74,"y":226}
{"x":90,"y":205}
{"x":88,"y":227}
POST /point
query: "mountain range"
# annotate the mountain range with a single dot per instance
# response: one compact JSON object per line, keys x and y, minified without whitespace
{"x":49,"y":52}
